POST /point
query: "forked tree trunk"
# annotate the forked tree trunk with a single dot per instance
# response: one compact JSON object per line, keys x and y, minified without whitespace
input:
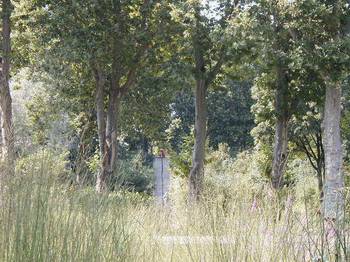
{"x":8,"y":150}
{"x":281,"y":131}
{"x":197,"y":171}
{"x":334,"y":181}
{"x":107,"y":130}
{"x":108,"y":120}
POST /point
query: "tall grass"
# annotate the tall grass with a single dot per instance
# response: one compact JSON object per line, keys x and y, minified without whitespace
{"x":43,"y":220}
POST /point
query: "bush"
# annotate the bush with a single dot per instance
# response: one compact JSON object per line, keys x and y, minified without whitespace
{"x":35,"y":162}
{"x":180,"y":163}
{"x":229,"y":178}
{"x":134,"y":175}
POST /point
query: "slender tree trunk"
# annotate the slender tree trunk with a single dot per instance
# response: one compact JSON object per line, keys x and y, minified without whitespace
{"x":101,"y":124}
{"x":334,"y":180}
{"x":112,"y":129}
{"x":320,"y":166}
{"x":320,"y":163}
{"x":8,"y":150}
{"x":281,"y":130}
{"x":320,"y":182}
{"x":197,"y":171}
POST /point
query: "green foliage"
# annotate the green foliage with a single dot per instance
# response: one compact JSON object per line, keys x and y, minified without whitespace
{"x":181,"y":161}
{"x":229,"y":118}
{"x":145,"y":110}
{"x":182,"y":119}
{"x":243,"y":177}
{"x":41,"y":114}
{"x":305,"y":183}
{"x":263,"y":158}
{"x":134,"y":175}
{"x":36,"y":162}
{"x":228,"y":177}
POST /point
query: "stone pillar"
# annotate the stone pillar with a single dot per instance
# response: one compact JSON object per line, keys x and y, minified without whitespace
{"x":162,"y":179}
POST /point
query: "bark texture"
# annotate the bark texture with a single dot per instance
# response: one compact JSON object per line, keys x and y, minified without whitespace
{"x":8,"y":150}
{"x":111,"y":151}
{"x":280,"y":149}
{"x":107,"y":128}
{"x":334,"y":180}
{"x":197,"y":171}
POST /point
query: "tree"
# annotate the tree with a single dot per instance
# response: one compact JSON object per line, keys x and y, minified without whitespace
{"x":324,"y":44}
{"x":109,"y":40}
{"x":317,"y":34}
{"x":272,"y":19}
{"x":229,"y":117}
{"x":122,"y":77}
{"x":339,"y":30}
{"x":208,"y":51}
{"x":308,"y":139}
{"x":8,"y":150}
{"x":297,"y":43}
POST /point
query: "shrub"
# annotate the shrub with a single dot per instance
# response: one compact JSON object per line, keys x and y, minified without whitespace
{"x":181,"y":162}
{"x":35,"y":162}
{"x":134,"y":175}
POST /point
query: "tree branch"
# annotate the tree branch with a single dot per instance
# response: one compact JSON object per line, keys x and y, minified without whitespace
{"x":216,"y":69}
{"x":229,"y":10}
{"x":131,"y":75}
{"x":310,"y":147}
{"x":136,"y":61}
{"x":302,"y":145}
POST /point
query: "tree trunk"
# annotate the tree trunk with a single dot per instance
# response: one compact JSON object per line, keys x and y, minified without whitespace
{"x":101,"y":125}
{"x":112,"y":129}
{"x":320,"y":174}
{"x":107,"y":129}
{"x":320,"y":182}
{"x":279,"y":152}
{"x":8,"y":150}
{"x":281,"y":131}
{"x":197,"y":171}
{"x":320,"y":163}
{"x":334,"y":180}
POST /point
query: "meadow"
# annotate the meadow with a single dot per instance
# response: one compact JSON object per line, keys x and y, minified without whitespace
{"x":44,"y":219}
